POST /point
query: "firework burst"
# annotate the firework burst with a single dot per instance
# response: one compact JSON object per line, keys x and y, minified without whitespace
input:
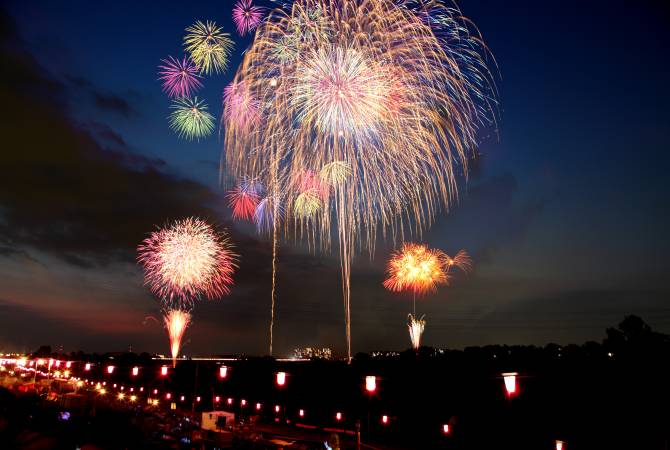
{"x":381,"y":99}
{"x":246,"y":16}
{"x":176,"y":321}
{"x":416,"y":268}
{"x":208,"y":46}
{"x":416,"y":327}
{"x":180,"y":78}
{"x":190,"y":118}
{"x":243,"y":199}
{"x":186,"y":260}
{"x":240,"y":109}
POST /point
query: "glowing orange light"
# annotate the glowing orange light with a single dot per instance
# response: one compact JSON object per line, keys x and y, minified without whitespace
{"x":510,"y":382}
{"x":164,"y":371}
{"x":445,"y":429}
{"x":385,"y":419}
{"x":338,"y":416}
{"x":371,"y":383}
{"x":110,"y":369}
{"x":281,"y":378}
{"x":87,"y":367}
{"x":133,"y":398}
{"x":223,"y":371}
{"x":136,"y":370}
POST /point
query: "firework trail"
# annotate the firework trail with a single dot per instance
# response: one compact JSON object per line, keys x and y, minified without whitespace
{"x":381,"y":100}
{"x":176,"y":321}
{"x":415,"y":327}
{"x":187,"y":260}
{"x":246,"y":16}
{"x":244,"y":199}
{"x":180,"y":78}
{"x":240,"y":106}
{"x":208,"y":46}
{"x":190,"y":119}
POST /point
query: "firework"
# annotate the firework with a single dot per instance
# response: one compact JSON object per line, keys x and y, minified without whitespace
{"x":243,"y":199}
{"x":180,"y":78}
{"x":379,"y":101}
{"x":415,"y":327}
{"x":190,"y":119}
{"x":176,"y":321}
{"x":416,"y":268}
{"x":246,"y":16}
{"x":240,"y":109}
{"x":186,"y":260}
{"x":208,"y":46}
{"x":265,"y":213}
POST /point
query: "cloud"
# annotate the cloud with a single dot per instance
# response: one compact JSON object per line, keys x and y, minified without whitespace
{"x":113,"y":103}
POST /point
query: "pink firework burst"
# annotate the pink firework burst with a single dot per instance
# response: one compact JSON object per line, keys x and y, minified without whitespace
{"x":180,"y":78}
{"x":240,"y":109}
{"x":186,"y":260}
{"x":246,"y":16}
{"x":243,"y":199}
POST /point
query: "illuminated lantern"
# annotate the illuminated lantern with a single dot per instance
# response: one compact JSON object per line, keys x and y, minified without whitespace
{"x":133,"y":398}
{"x":371,"y":383}
{"x":446,"y":429}
{"x":276,"y":408}
{"x":258,"y":406}
{"x":132,"y":389}
{"x":510,"y":382}
{"x":281,"y":378}
{"x":87,"y":367}
{"x":164,"y":371}
{"x":181,"y":399}
{"x":230,"y":401}
{"x":223,"y":371}
{"x":385,"y":420}
{"x":338,"y":416}
{"x":155,"y":391}
{"x":197,"y":399}
{"x":57,"y":363}
{"x":168,"y":396}
{"x":40,"y":362}
{"x":66,"y":374}
{"x":243,"y":402}
{"x":136,"y":370}
{"x":559,"y":445}
{"x":217,"y":399}
{"x":110,"y":369}
{"x":121,"y":395}
{"x":122,"y":388}
{"x":114,"y":385}
{"x":301,"y":413}
{"x":141,"y":389}
{"x":68,"y":365}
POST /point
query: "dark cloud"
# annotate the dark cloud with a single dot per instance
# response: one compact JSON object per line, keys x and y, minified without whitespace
{"x":114,"y":103}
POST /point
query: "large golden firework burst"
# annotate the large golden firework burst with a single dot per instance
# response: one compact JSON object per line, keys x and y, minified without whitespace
{"x":390,"y":94}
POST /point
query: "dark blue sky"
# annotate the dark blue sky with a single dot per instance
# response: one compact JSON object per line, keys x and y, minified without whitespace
{"x":566,"y":213}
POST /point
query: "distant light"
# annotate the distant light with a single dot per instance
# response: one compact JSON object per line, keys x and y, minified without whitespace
{"x":446,"y":429}
{"x":168,"y":396}
{"x":197,"y":399}
{"x":230,"y":401}
{"x":40,"y":362}
{"x":66,"y":374}
{"x":122,"y":388}
{"x":155,"y":391}
{"x":136,"y":370}
{"x":385,"y":420}
{"x":110,"y":369}
{"x":141,"y":389}
{"x":164,"y":370}
{"x":87,"y":367}
{"x":371,"y":383}
{"x":258,"y":406}
{"x":121,"y":395}
{"x":114,"y":385}
{"x":610,"y":354}
{"x":223,"y":371}
{"x":217,"y":399}
{"x":559,"y":445}
{"x":301,"y":413}
{"x":132,"y":389}
{"x":281,"y":378}
{"x":338,"y":416}
{"x":68,"y":364}
{"x":181,"y":399}
{"x":133,"y":398}
{"x":155,"y":402}
{"x":243,"y":402}
{"x":57,"y":363}
{"x":510,"y":382}
{"x":103,"y":391}
{"x":277,"y":408}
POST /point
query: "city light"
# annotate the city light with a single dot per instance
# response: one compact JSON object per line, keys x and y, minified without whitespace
{"x":446,"y":429}
{"x":181,"y":399}
{"x":510,"y":382}
{"x":243,"y":402}
{"x":217,"y":399}
{"x":338,"y":416}
{"x":230,"y":401}
{"x":87,"y":367}
{"x":385,"y":420}
{"x":164,"y":371}
{"x":68,"y":364}
{"x":136,"y":370}
{"x":133,"y":398}
{"x":168,"y":396}
{"x":281,"y":378}
{"x":155,"y":391}
{"x":121,"y":395}
{"x":277,"y":408}
{"x":103,"y":391}
{"x":197,"y":399}
{"x":258,"y":406}
{"x":110,"y":369}
{"x":223,"y":371}
{"x":301,"y":413}
{"x":371,"y":383}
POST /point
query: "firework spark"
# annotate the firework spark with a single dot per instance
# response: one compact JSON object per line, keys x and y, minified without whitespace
{"x":186,"y":260}
{"x":180,"y":78}
{"x":265,"y":213}
{"x":394,"y":91}
{"x":208,"y":46}
{"x":416,"y":268}
{"x":246,"y":16}
{"x":190,"y":119}
{"x":415,"y":327}
{"x":240,"y":109}
{"x":176,"y":321}
{"x":243,"y":199}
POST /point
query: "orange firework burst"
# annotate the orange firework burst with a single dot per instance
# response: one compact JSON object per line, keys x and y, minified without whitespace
{"x":176,"y":322}
{"x":186,"y":260}
{"x":417,"y":268}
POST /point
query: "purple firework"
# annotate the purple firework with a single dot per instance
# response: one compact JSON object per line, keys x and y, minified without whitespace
{"x":180,"y":78}
{"x":246,"y":16}
{"x":239,"y":106}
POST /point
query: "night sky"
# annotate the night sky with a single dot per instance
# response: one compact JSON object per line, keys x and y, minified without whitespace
{"x":565,"y":214}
